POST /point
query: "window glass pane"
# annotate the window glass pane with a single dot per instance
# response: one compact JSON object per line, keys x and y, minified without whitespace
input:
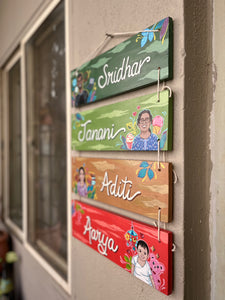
{"x":46,"y":140}
{"x":14,"y":125}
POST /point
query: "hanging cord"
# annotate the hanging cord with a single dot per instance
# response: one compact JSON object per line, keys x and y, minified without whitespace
{"x":159,"y":219}
{"x":175,"y":177}
{"x":109,"y":36}
{"x":117,"y":34}
{"x":158,"y":155}
{"x":98,"y":50}
{"x":174,"y":247}
{"x":166,"y":87}
{"x":158,"y":100}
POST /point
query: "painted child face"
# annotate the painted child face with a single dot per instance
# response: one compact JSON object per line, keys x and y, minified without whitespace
{"x":144,"y":123}
{"x":142,"y":253}
{"x":81,"y":175}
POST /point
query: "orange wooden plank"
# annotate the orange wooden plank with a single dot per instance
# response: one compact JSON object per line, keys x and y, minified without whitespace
{"x":137,"y":186}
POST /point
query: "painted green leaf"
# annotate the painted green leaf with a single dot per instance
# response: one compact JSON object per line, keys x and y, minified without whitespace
{"x":128,"y":266}
{"x":78,"y":207}
{"x":126,"y":258}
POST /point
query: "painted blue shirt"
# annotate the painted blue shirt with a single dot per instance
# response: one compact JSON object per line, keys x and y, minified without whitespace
{"x":150,"y":143}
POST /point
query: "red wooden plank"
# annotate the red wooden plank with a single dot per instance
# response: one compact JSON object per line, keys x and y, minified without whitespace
{"x":132,"y":245}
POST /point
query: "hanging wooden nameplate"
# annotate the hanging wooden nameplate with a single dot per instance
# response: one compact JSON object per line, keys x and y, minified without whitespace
{"x":134,"y":246}
{"x":128,"y":66}
{"x":142,"y":187}
{"x":136,"y":124}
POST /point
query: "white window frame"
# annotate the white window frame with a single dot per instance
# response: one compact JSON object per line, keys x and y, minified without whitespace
{"x":23,"y":234}
{"x":16,"y":58}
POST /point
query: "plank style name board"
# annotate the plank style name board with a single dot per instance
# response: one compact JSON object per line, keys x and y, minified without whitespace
{"x":130,"y":65}
{"x":132,"y":245}
{"x":137,"y":186}
{"x":136,"y":124}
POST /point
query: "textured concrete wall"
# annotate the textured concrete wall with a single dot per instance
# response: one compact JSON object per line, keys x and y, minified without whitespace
{"x":197,"y":166}
{"x":218,"y":155}
{"x":93,"y":276}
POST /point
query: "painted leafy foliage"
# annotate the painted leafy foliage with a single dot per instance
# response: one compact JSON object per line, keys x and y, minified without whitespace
{"x":145,"y":171}
{"x":128,"y":261}
{"x":148,"y":35}
{"x":149,"y":171}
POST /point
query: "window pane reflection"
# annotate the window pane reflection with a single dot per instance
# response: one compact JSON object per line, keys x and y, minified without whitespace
{"x":14,"y":125}
{"x":46,"y":137}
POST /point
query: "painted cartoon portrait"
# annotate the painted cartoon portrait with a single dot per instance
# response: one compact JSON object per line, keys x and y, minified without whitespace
{"x":146,"y":140}
{"x":144,"y":132}
{"x":81,"y":185}
{"x":140,"y":267}
{"x":142,"y":260}
{"x":84,"y":182}
{"x":83,"y":89}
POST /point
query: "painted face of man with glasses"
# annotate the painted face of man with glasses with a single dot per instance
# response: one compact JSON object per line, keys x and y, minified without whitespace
{"x":146,"y":140}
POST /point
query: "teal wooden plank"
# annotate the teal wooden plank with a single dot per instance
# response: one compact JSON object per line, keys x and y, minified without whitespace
{"x":131,"y":125}
{"x":128,"y":66}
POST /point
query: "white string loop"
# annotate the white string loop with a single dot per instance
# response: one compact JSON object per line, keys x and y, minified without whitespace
{"x":159,"y":219}
{"x":158,"y":155}
{"x":130,"y":32}
{"x":98,"y":50}
{"x":158,"y":100}
{"x":175,"y":177}
{"x":109,"y":36}
{"x":174,"y":248}
{"x":166,"y":87}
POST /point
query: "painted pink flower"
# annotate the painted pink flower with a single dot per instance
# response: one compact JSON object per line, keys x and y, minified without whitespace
{"x":134,"y":113}
{"x":138,"y":107}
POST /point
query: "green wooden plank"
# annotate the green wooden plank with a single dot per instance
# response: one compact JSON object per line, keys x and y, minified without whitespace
{"x":128,"y":66}
{"x":115,"y":127}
